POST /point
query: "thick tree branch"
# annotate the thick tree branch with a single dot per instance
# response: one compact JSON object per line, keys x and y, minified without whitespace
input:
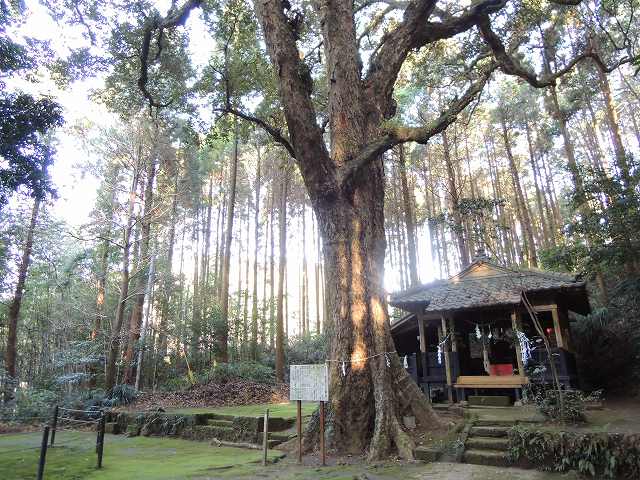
{"x":295,"y":87}
{"x":275,"y":133}
{"x":512,"y":66}
{"x":395,"y":135}
{"x":175,"y":17}
{"x":413,"y":33}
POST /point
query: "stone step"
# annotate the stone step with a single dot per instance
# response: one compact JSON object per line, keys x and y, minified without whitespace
{"x":426,"y":454}
{"x":487,"y":443}
{"x":207,"y":432}
{"x":489,"y":432}
{"x":281,"y":437}
{"x":494,"y":458}
{"x":220,"y":423}
{"x":494,"y":423}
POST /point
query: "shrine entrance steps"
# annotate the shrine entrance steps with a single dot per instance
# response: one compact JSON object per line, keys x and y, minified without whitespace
{"x":488,"y":443}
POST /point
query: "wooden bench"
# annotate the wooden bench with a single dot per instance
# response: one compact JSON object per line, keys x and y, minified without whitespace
{"x":498,"y":381}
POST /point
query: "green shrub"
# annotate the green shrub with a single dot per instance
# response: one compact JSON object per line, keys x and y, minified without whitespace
{"x":547,"y":401}
{"x":595,"y":454}
{"x":31,"y":405}
{"x":121,"y":395}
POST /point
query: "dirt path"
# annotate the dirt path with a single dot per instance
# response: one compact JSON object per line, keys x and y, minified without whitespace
{"x":289,"y":470}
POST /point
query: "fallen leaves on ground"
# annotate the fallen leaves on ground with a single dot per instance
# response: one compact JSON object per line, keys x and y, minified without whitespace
{"x":231,"y":393}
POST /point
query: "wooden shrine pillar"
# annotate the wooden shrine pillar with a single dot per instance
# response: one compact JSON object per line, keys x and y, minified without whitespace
{"x":517,"y":326}
{"x":422,"y":330}
{"x":455,"y":360}
{"x":442,"y":334}
{"x":557,"y":327}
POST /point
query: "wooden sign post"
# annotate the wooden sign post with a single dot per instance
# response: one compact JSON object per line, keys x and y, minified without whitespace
{"x":309,"y":383}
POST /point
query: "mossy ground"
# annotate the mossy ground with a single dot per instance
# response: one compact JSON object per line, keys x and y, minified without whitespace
{"x":137,"y":458}
{"x":283,"y":410}
{"x":145,"y":458}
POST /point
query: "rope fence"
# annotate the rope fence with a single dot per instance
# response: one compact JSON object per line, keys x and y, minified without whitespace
{"x":60,"y":422}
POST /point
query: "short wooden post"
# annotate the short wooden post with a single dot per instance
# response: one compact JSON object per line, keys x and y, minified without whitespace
{"x":54,"y":424}
{"x":323,"y":453}
{"x":43,"y":452}
{"x":101,"y":425}
{"x":265,"y":437}
{"x":299,"y":432}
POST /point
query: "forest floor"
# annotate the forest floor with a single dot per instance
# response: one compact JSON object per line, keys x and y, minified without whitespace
{"x":233,"y":392}
{"x":145,"y":458}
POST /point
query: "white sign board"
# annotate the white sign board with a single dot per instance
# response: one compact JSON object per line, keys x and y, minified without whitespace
{"x":309,"y":383}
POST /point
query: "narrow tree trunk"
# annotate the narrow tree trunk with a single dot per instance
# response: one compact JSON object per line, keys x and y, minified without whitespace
{"x":521,"y":206}
{"x":114,"y":347}
{"x":614,"y":128}
{"x":458,"y":228}
{"x":282,"y":241}
{"x":222,"y":333}
{"x":408,"y":201}
{"x":14,"y":308}
{"x":167,"y":285}
{"x":272,"y":278}
{"x":141,"y":288}
{"x":254,"y":306}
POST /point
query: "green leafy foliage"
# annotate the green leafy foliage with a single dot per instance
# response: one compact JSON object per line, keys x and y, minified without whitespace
{"x":606,"y":354}
{"x":598,"y":455}
{"x":31,"y":405}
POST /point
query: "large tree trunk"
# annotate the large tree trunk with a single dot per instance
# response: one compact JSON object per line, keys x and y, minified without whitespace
{"x":14,"y":308}
{"x":366,"y":403}
{"x":222,"y":332}
{"x":348,"y":199}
